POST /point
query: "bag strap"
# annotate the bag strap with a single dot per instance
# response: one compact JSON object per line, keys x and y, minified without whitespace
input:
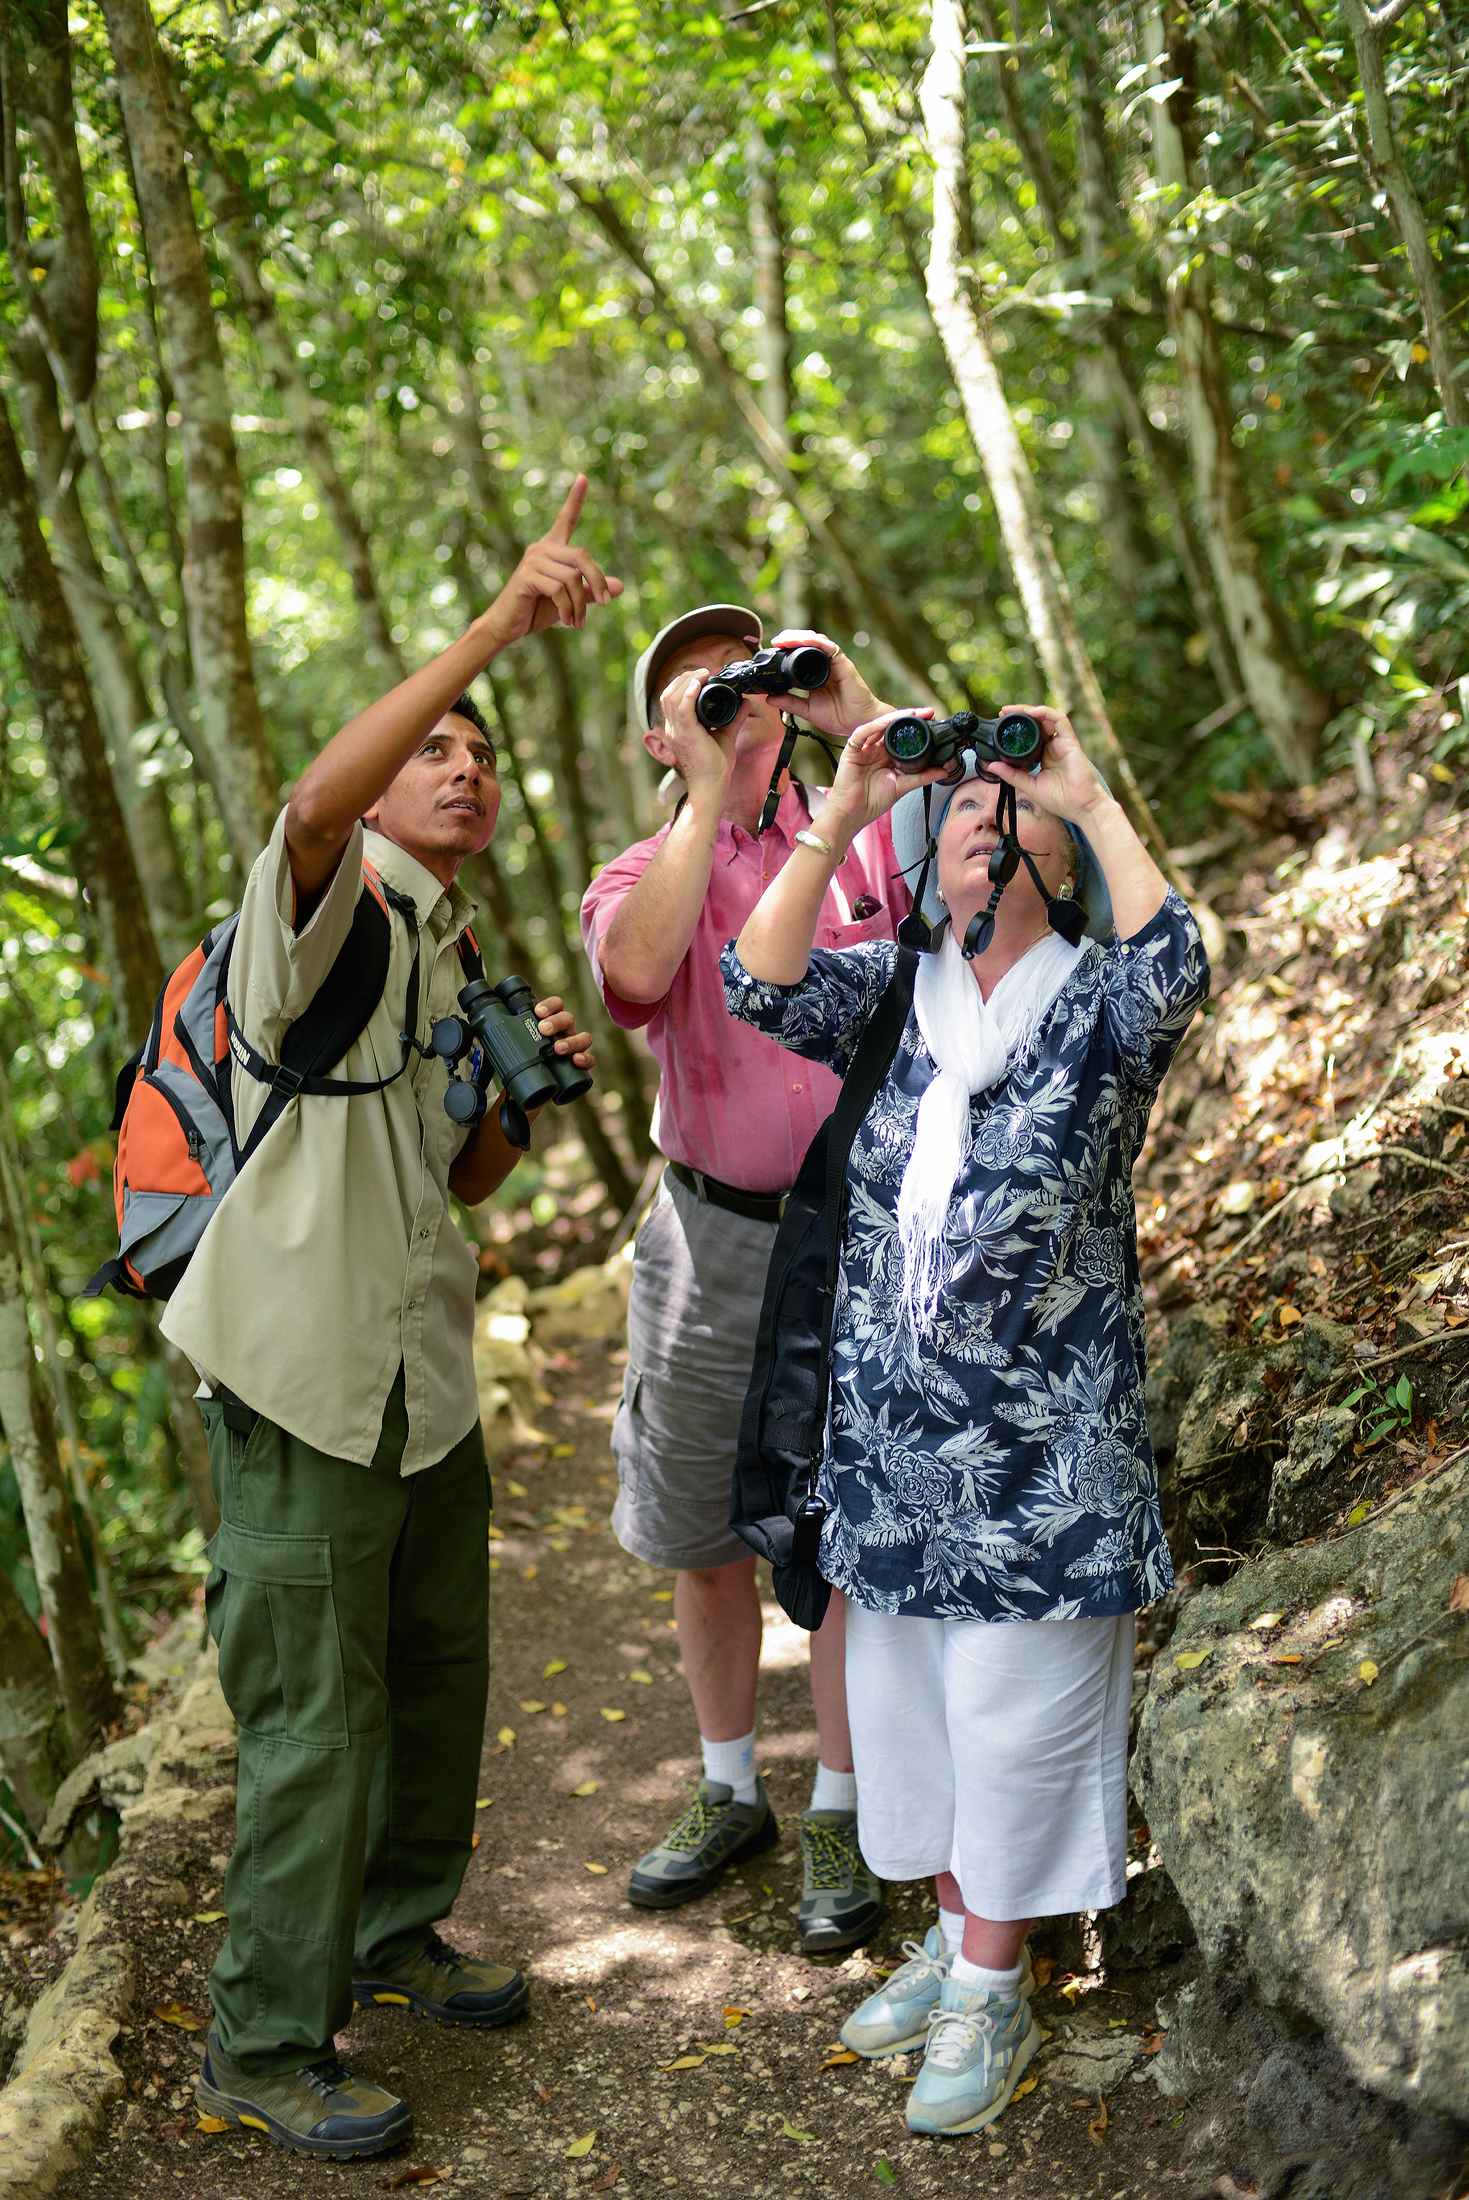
{"x":335,"y":1018}
{"x":868,"y":1067}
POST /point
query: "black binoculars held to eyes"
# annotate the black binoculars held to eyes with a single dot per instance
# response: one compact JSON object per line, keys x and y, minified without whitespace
{"x":502,"y":1019}
{"x":768,"y":672}
{"x":917,"y":744}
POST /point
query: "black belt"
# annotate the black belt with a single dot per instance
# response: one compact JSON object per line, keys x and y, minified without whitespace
{"x":754,"y":1206}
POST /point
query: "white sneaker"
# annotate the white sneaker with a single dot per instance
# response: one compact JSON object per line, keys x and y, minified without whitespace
{"x":978,"y":2047}
{"x":895,"y":2018}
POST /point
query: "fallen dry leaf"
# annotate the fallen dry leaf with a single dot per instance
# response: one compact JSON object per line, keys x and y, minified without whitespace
{"x":558,"y":1711}
{"x":684,"y":2062}
{"x":496,"y":1535}
{"x":562,"y":1451}
{"x":424,"y":2175}
{"x":474,"y":1840}
{"x":211,"y":2124}
{"x":557,"y":1665}
{"x":209,"y":1917}
{"x":599,"y":1869}
{"x":788,"y":2130}
{"x":1459,"y":1595}
{"x":640,"y":1673}
{"x":483,"y":1802}
{"x":1070,"y":1989}
{"x":180,"y":2013}
{"x":1289,"y":1316}
{"x":605,"y":2184}
{"x":1152,"y":2041}
{"x":1188,"y":1659}
{"x":1368,"y":1671}
{"x":733,"y":2016}
{"x":662,"y":1596}
{"x":590,"y":2003}
{"x":1096,"y":2130}
{"x":612,"y":1717}
{"x":588,"y":2139}
{"x":1291,"y":1657}
{"x":1043,"y":1967}
{"x":529,"y":1705}
{"x":836,"y":2057}
{"x":528,"y":1573}
{"x":506,"y":1737}
{"x":542,"y":2088}
{"x":588,"y":1787}
{"x":1026,"y":2085}
{"x":1268,"y":1619}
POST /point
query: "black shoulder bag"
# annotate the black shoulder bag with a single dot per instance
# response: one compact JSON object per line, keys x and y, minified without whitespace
{"x":773,"y":1503}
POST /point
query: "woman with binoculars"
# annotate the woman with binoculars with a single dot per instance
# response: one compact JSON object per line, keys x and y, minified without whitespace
{"x":993,"y":1506}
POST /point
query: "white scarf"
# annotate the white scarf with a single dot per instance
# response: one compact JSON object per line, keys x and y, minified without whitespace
{"x":973,"y":1041}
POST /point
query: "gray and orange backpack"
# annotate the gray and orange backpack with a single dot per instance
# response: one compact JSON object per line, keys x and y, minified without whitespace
{"x":177,"y":1148}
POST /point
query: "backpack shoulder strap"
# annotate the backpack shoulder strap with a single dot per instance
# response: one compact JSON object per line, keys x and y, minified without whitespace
{"x":336,"y":1016}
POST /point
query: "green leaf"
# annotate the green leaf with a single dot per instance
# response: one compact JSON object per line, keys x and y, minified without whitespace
{"x":581,"y":2146}
{"x":1403,"y":1391}
{"x":1357,"y":1396}
{"x":1358,"y":1514}
{"x":789,"y":2131}
{"x":315,"y":113}
{"x":884,"y":2173}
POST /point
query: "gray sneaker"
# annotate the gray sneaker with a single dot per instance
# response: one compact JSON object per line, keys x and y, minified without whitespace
{"x":841,"y":1900}
{"x":323,"y":2110}
{"x":714,"y":1831}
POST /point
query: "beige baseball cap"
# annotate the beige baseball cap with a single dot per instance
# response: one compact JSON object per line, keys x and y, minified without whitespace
{"x":730,"y":619}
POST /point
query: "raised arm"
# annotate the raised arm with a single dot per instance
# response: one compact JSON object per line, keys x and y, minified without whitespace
{"x":776,"y":941}
{"x":552,"y":586}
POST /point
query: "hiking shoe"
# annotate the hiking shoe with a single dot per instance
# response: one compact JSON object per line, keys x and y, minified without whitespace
{"x":895,"y":2018}
{"x":978,"y":2046}
{"x":841,"y":1900}
{"x":323,"y":2110}
{"x":450,"y":1988}
{"x":714,"y":1831}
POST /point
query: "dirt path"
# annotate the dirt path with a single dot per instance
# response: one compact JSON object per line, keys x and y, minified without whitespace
{"x":618,"y":1994}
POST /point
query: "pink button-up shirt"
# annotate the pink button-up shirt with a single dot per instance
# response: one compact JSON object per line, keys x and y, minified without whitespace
{"x":730,"y":1101}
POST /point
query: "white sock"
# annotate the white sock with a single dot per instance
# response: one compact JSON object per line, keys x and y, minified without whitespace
{"x":1004,"y":1983}
{"x":733,"y":1763}
{"x":833,"y":1790}
{"x":951,"y":1925}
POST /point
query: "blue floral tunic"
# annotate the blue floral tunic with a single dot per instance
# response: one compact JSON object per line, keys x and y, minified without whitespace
{"x":1000,"y":1469}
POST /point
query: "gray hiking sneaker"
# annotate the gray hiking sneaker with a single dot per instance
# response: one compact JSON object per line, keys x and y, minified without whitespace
{"x":841,"y":1900}
{"x":323,"y":2110}
{"x":714,"y":1831}
{"x":447,"y":1987}
{"x":895,"y":2018}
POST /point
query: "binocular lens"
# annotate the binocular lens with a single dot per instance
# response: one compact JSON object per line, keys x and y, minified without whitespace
{"x":808,"y":666}
{"x":1018,"y":736}
{"x":718,"y":703}
{"x":906,"y":740}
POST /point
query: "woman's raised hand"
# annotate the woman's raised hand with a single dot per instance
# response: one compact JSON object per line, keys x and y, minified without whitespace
{"x":868,"y":782}
{"x":1068,"y":784}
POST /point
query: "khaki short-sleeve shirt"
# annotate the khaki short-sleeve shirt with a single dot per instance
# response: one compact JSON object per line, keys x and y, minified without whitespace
{"x":333,"y":1256}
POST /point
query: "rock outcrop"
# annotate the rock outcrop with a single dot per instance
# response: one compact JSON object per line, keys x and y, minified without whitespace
{"x":1238,"y":1423}
{"x":1303,"y":1763}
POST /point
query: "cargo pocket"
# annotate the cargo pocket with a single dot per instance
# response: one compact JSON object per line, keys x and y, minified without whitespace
{"x":280,"y":1658}
{"x":628,"y":1434}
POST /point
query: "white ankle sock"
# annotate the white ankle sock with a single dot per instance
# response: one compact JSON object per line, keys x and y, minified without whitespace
{"x":951,"y":1925}
{"x":833,"y":1790}
{"x":1004,"y":1983}
{"x":733,"y":1763}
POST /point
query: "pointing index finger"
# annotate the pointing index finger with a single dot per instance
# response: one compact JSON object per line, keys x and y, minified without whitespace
{"x":565,"y":521}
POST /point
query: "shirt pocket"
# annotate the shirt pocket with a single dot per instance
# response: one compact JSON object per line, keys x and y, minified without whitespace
{"x":878,"y":927}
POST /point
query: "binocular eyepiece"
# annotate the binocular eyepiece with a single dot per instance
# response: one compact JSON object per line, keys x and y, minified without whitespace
{"x":916,"y":744}
{"x":502,"y":1019}
{"x":768,"y":672}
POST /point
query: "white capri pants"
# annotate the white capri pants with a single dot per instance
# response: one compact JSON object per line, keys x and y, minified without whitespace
{"x":995,"y":1750}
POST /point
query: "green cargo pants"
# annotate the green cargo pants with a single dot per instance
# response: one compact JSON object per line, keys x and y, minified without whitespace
{"x":351,"y":1610}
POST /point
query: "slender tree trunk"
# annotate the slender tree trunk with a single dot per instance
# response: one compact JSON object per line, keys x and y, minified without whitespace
{"x":1049,"y":615}
{"x":1367,"y":26}
{"x":48,"y":643}
{"x":776,"y":389}
{"x":235,"y":231}
{"x":35,"y":1754}
{"x":72,"y":1634}
{"x":1290,"y":707}
{"x":214,"y":569}
{"x":188,"y":1432}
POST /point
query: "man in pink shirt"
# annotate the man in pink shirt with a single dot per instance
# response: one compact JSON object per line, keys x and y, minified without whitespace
{"x":735,"y":1116}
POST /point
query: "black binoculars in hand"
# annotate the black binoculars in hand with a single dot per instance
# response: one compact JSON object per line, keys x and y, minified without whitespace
{"x":502,"y":1019}
{"x":916,"y":744}
{"x":768,"y":672}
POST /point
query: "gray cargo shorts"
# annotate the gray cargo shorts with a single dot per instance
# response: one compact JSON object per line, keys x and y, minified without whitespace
{"x":698,"y":1279}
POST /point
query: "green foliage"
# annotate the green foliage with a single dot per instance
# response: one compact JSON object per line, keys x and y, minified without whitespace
{"x":1392,"y":1404}
{"x":437,"y":197}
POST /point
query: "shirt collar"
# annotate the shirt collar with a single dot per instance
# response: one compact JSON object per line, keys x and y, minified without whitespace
{"x":791,"y":817}
{"x":405,"y":873}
